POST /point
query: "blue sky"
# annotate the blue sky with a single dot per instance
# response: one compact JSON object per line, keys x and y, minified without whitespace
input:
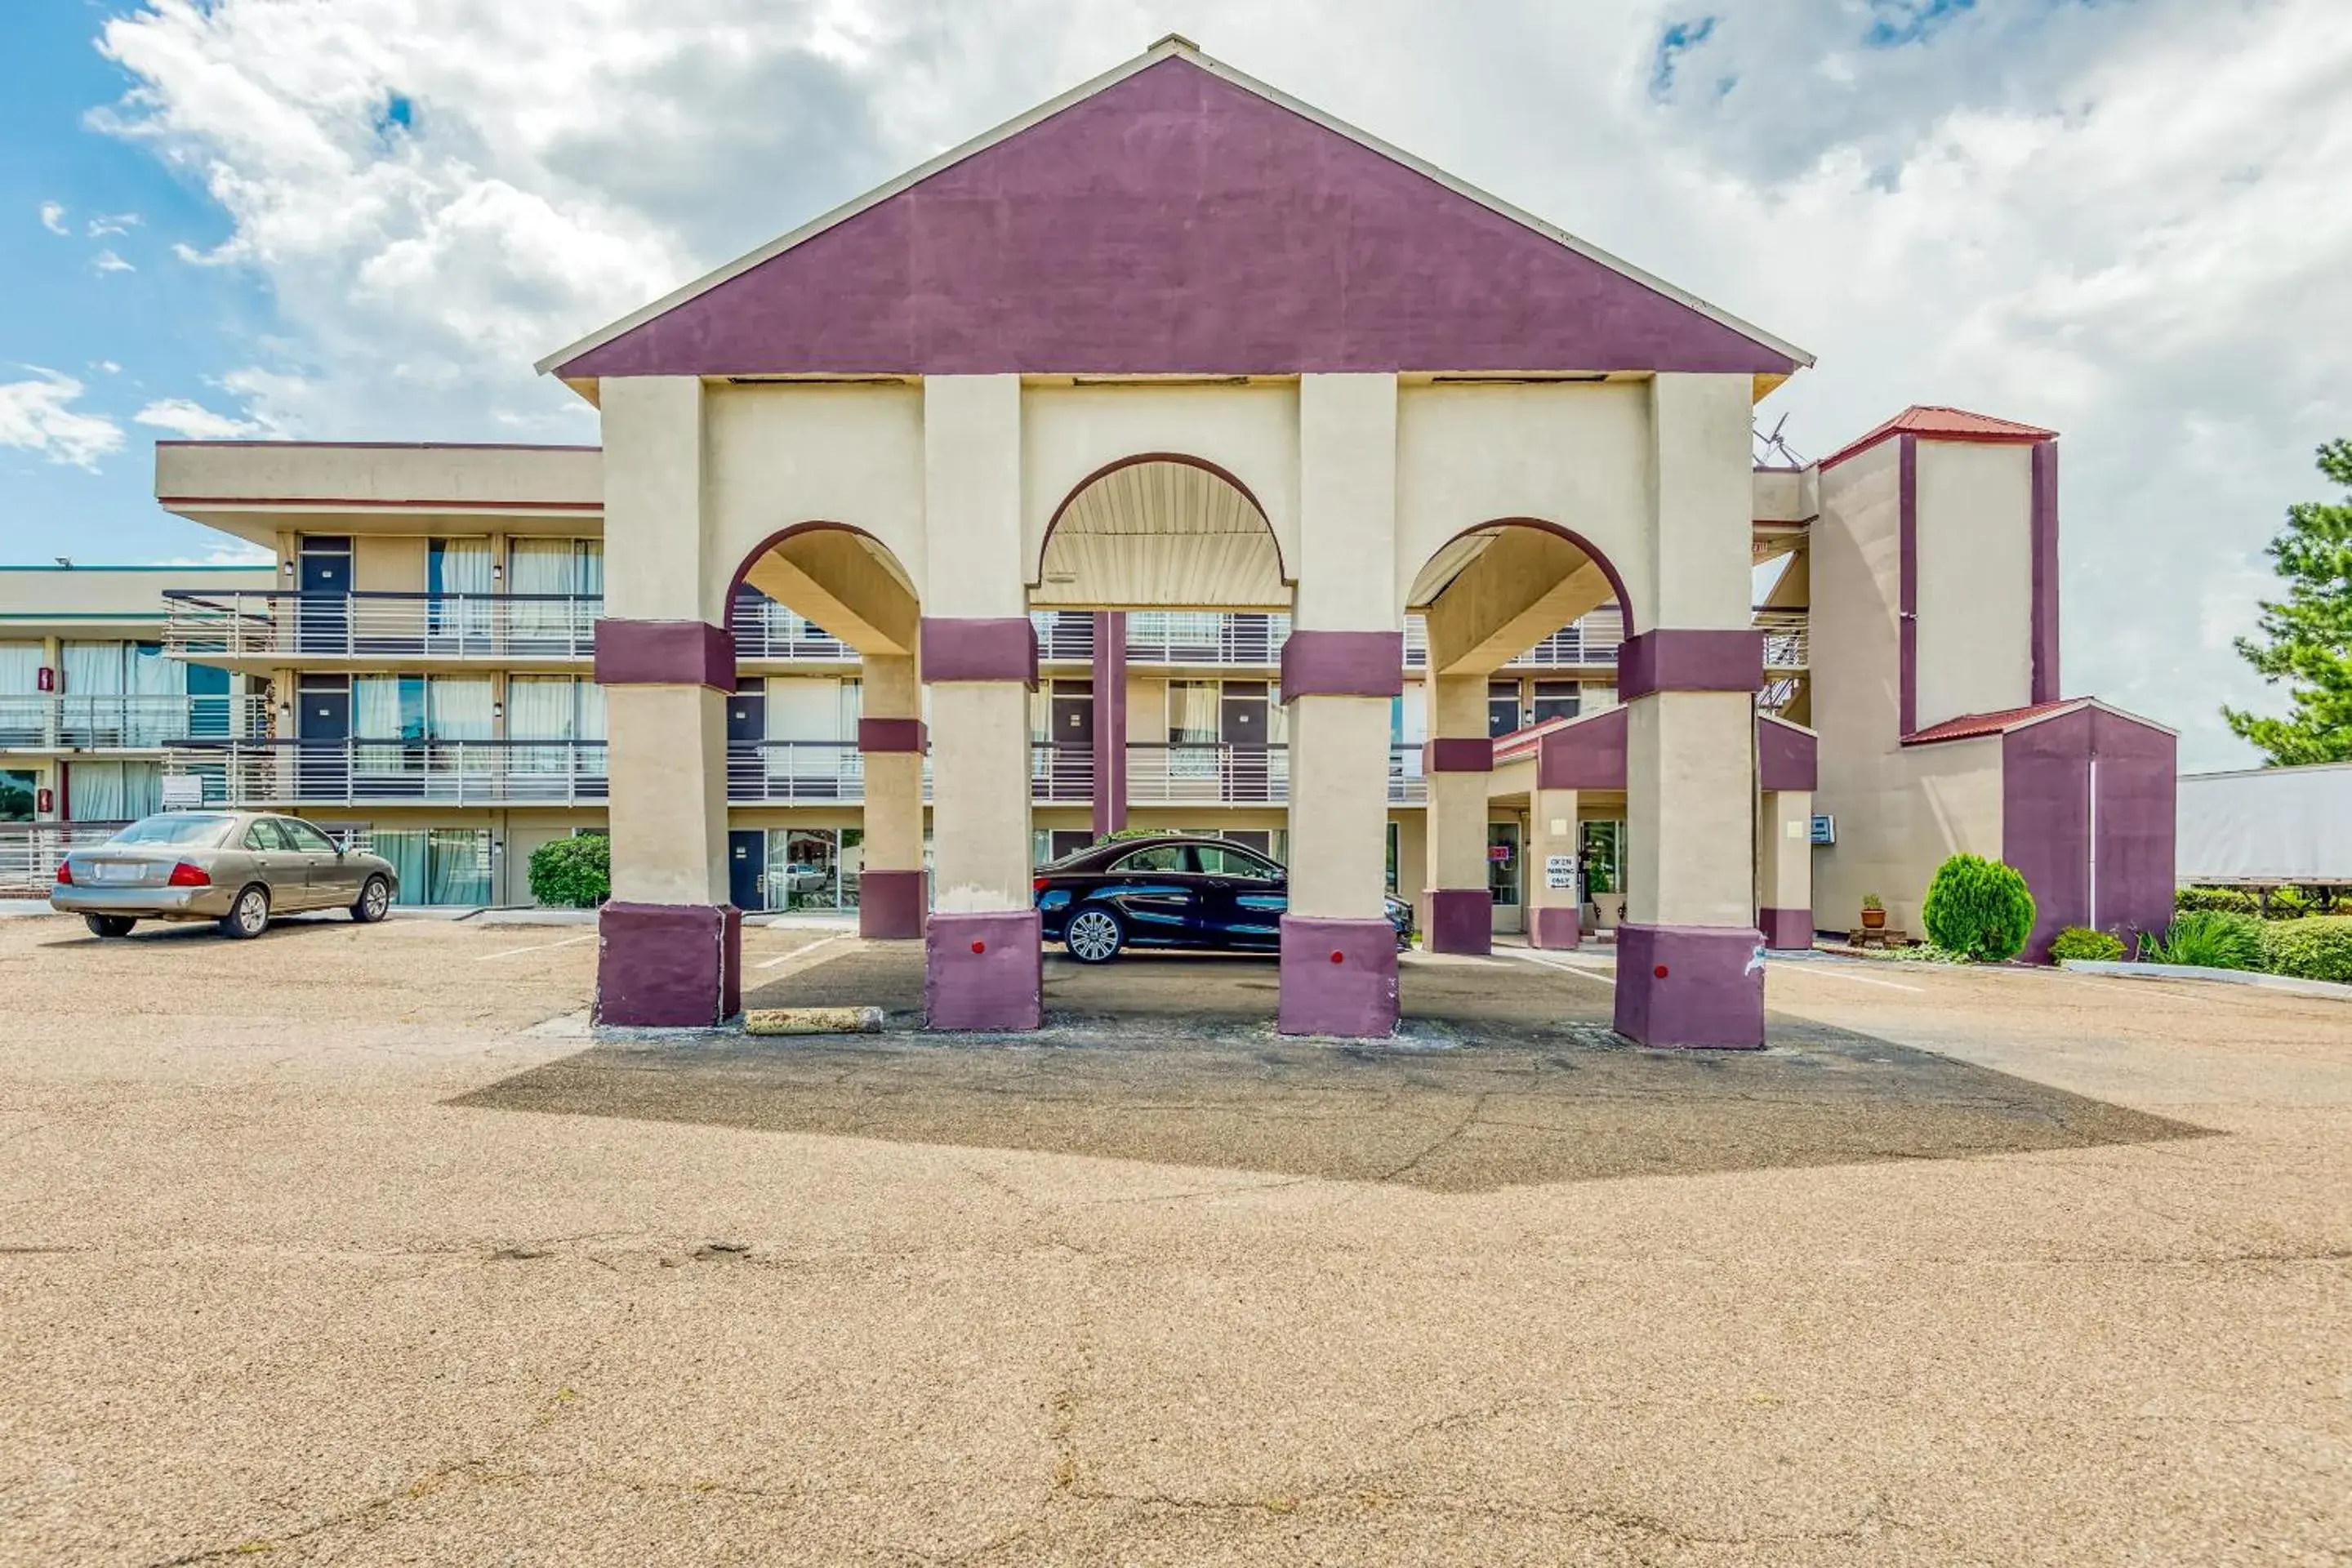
{"x":2123,"y":219}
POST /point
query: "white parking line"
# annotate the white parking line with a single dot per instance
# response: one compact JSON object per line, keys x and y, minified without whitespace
{"x":538,"y":947}
{"x":1564,"y":968}
{"x":802,"y":952}
{"x":1823,"y":969}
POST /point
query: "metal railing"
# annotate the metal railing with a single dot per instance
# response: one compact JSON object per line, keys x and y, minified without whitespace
{"x":786,"y":772}
{"x":1065,"y":636}
{"x":1060,"y":774}
{"x":492,"y":627}
{"x":1787,"y":643}
{"x":1181,"y":637}
{"x":121,"y":721}
{"x":397,"y":773}
{"x":1207,"y":775}
{"x":1407,"y":785}
{"x":764,"y":629}
{"x":29,"y":851}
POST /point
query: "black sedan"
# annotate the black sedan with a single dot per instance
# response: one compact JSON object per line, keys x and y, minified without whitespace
{"x":1173,"y":891}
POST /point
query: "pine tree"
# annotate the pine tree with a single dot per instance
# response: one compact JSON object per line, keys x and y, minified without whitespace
{"x":2307,"y":637}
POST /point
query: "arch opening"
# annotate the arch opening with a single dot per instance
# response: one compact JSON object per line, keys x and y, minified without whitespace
{"x":1160,"y":529}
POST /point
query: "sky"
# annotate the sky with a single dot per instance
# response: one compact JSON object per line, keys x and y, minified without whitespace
{"x":2125,"y":220}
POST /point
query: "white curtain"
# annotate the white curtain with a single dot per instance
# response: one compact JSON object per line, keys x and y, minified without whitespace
{"x":20,"y":669}
{"x":376,"y":707}
{"x":94,"y":669}
{"x":592,"y":711}
{"x":541,"y":566}
{"x":590,"y":563}
{"x":93,"y":707}
{"x":463,"y":568}
{"x":159,"y":718}
{"x":457,"y":707}
{"x":113,"y":792}
{"x":1191,"y":723}
{"x":22,"y":719}
{"x":540,"y":707}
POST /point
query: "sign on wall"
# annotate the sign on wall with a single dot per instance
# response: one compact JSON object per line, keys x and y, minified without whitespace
{"x":183,"y":792}
{"x":1824,"y":829}
{"x":1560,"y":873}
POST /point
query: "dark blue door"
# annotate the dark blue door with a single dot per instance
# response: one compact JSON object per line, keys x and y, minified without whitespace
{"x":747,"y":868}
{"x":324,"y":611}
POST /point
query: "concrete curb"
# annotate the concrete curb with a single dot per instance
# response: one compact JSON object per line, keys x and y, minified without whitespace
{"x":2289,"y":984}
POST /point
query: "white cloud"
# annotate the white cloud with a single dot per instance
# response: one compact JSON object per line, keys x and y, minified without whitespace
{"x":2125,"y":222}
{"x":53,"y":218}
{"x":183,"y":417}
{"x":111,"y":223}
{"x":107,"y":261}
{"x":37,"y":415}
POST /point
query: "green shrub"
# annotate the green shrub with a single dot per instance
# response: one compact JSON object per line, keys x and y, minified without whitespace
{"x":2206,"y":939}
{"x":2082,"y":942}
{"x":1979,"y":907}
{"x":2319,"y":948}
{"x":573,"y":873}
{"x":2229,"y":900}
{"x":2286,"y":904}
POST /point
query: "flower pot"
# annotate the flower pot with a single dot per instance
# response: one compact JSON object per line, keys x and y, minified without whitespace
{"x":1608,"y":909}
{"x":1874,"y":919}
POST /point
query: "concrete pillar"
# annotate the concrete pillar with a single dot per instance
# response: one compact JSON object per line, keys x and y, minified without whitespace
{"x":670,"y":949}
{"x":1457,"y":913}
{"x":893,"y":897}
{"x":1341,"y":668}
{"x":1554,"y":913}
{"x":983,"y":955}
{"x":1784,"y":872}
{"x":1110,"y":722}
{"x":1689,"y":957}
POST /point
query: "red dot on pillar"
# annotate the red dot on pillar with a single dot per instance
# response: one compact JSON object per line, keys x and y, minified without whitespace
{"x":1659,"y":971}
{"x":1339,"y":957}
{"x":980,"y":947}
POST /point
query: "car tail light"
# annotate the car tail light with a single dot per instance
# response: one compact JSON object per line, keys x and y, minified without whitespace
{"x":1039,"y":885}
{"x":188,"y":875}
{"x":65,"y":874}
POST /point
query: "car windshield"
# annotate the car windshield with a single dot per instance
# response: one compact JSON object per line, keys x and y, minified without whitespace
{"x":180,"y":827}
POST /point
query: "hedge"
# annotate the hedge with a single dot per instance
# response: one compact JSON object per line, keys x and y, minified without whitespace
{"x":2081,"y":941}
{"x":574,"y":873}
{"x":2319,"y":948}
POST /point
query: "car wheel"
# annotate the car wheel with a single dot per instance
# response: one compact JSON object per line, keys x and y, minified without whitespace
{"x":249,"y":916}
{"x":1094,"y":936}
{"x":375,"y":901}
{"x":108,"y":925}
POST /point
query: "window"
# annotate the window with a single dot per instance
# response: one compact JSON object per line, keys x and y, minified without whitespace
{"x":1159,"y":858}
{"x":17,"y":798}
{"x":180,"y":828}
{"x":1503,"y":864}
{"x":302,"y":836}
{"x":438,"y":864}
{"x":265,"y":838}
{"x":1228,"y":860}
{"x":1558,"y":700}
{"x":1502,"y":708}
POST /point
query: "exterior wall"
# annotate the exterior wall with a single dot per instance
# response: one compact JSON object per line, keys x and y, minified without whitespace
{"x":1900,"y":814}
{"x":1974,"y":573}
{"x":382,"y":563}
{"x":781,"y":454}
{"x":1575,"y":454}
{"x":2089,"y":815}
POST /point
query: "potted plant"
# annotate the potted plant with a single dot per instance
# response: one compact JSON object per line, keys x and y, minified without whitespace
{"x":1608,"y":904}
{"x":1873,"y":913}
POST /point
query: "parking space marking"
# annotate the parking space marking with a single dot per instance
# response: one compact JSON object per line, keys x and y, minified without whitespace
{"x":1839,"y":975}
{"x":536,"y":947}
{"x":802,"y":952}
{"x":1565,"y":968}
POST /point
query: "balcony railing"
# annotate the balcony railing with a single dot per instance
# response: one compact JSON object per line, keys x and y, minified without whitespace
{"x":1591,"y":639}
{"x":1066,"y":636}
{"x":1060,"y":774}
{"x":29,"y":851}
{"x":1207,"y":775}
{"x":1787,"y":639}
{"x":764,"y":629}
{"x":147,"y":721}
{"x":793,"y":773}
{"x":397,"y":773}
{"x":492,"y":627}
{"x":1180,"y":636}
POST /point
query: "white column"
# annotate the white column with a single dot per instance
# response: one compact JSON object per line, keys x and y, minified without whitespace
{"x":1554,"y":913}
{"x":1458,"y":913}
{"x":1784,"y":875}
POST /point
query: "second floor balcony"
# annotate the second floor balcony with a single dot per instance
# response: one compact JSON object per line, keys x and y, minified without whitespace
{"x":263,"y":629}
{"x":136,"y":721}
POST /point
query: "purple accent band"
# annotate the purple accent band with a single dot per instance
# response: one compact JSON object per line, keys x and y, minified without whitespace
{"x":664,"y":653}
{"x":892,"y":906}
{"x":980,"y":649}
{"x":1455,"y":755}
{"x":1461,"y":919}
{"x":1589,"y":753}
{"x":1355,"y":998}
{"x":1906,"y":595}
{"x":2045,"y":571}
{"x":1174,"y":221}
{"x":1787,"y":930}
{"x":887,"y":735}
{"x":1555,"y":926}
{"x":1343,"y":664}
{"x":1001,"y":986}
{"x":1110,"y":721}
{"x":2048,"y":772}
{"x":1712,"y":995}
{"x":1669,"y":659}
{"x":1786,"y":758}
{"x":668,"y":965}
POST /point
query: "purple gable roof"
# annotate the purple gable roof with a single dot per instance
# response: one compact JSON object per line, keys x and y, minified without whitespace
{"x":1175,"y":222}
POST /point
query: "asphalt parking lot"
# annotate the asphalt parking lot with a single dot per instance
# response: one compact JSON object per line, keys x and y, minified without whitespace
{"x":348,"y":1245}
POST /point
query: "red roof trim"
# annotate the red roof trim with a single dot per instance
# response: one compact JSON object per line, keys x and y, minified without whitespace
{"x":1938,"y":423}
{"x":1970,"y":726}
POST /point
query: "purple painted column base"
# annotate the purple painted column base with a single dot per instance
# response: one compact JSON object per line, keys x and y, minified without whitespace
{"x":1551,"y":926}
{"x":668,"y":965}
{"x":1338,"y":977}
{"x":984,"y":971}
{"x":1691,"y":985}
{"x":1787,"y":930}
{"x":1461,"y":919}
{"x":892,"y":906}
